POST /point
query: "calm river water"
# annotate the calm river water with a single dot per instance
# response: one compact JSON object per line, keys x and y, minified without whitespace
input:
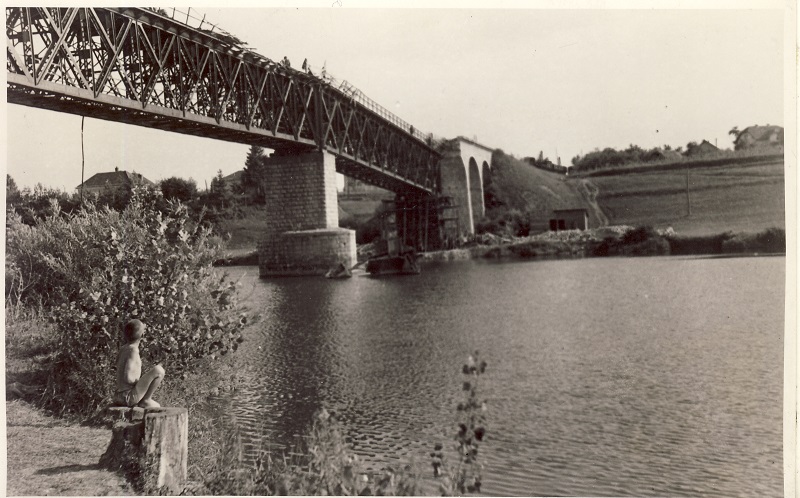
{"x":637,"y":376}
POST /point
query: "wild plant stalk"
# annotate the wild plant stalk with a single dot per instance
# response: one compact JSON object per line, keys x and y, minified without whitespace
{"x":466,"y":476}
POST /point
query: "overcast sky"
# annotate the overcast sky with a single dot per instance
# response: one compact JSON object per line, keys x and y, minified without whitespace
{"x":561,"y":81}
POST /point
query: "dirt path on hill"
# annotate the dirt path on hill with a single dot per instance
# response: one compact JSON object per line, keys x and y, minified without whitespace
{"x":589,"y":191}
{"x":49,"y":456}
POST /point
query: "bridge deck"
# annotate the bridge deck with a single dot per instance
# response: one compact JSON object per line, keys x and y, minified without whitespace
{"x":134,"y":66}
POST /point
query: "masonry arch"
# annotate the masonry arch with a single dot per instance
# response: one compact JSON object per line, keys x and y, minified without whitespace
{"x":464,"y":172}
{"x":455,"y":184}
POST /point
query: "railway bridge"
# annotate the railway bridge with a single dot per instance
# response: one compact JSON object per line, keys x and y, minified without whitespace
{"x":139,"y":66}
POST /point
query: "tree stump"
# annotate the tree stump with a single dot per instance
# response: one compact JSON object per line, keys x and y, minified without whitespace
{"x":151,"y":450}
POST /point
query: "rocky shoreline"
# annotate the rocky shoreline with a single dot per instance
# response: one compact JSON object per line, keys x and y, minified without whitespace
{"x":619,"y":240}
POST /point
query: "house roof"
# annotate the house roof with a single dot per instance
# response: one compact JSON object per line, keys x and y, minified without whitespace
{"x":706,"y":142}
{"x":761,"y":132}
{"x":235,"y":177}
{"x":115,"y":179}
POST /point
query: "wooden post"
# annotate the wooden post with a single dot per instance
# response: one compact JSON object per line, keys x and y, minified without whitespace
{"x":427,"y":222}
{"x":688,"y":201}
{"x":152,"y":447}
{"x":166,"y":441}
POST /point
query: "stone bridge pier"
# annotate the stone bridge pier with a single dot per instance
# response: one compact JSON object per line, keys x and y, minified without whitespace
{"x":465,"y":169}
{"x":302,"y":235}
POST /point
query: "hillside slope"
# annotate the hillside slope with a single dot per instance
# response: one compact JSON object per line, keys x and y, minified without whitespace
{"x":521,"y":186}
{"x":735,"y":197}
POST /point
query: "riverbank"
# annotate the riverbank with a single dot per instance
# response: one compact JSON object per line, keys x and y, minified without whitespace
{"x":49,"y":455}
{"x":621,"y":240}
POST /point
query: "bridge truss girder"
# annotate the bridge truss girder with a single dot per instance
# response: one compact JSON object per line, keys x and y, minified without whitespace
{"x":131,"y":65}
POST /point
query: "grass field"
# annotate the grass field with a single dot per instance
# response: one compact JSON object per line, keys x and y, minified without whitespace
{"x":739,"y":198}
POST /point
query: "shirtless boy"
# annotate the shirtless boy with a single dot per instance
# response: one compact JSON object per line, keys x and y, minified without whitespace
{"x":133,"y":388}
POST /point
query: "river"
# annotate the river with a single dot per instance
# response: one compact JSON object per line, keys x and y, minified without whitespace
{"x":613,"y":376}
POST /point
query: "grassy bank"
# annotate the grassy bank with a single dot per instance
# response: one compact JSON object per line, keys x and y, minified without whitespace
{"x":727,"y":197}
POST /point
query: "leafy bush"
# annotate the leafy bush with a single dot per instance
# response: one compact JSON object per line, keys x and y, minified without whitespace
{"x":640,"y":241}
{"x":506,"y":222}
{"x":703,"y":244}
{"x":33,"y":205}
{"x":178,"y":188}
{"x":772,"y":240}
{"x":97,"y":269}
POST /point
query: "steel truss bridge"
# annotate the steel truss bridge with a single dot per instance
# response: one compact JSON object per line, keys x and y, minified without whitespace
{"x":135,"y":66}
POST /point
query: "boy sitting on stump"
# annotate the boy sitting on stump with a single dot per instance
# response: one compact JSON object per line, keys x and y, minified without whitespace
{"x":133,"y":388}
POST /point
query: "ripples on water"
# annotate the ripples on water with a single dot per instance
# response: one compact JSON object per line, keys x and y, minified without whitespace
{"x":647,"y":376}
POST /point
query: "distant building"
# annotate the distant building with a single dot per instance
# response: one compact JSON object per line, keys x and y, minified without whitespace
{"x":704,"y":147}
{"x":113,"y":180}
{"x":234,"y":178}
{"x":759,"y":136}
{"x":569,"y":219}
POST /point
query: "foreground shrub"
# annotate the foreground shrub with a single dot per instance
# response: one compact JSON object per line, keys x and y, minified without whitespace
{"x":97,"y":269}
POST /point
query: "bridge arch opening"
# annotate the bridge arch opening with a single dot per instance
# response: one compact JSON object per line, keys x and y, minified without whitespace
{"x":475,"y":191}
{"x":488,"y":199}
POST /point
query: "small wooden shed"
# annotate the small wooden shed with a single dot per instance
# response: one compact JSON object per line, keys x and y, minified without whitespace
{"x":569,"y":219}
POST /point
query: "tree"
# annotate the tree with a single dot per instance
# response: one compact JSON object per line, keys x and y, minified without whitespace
{"x":13,"y":195}
{"x":221,"y":195}
{"x":734,"y":131}
{"x":178,"y":188}
{"x":252,"y":165}
{"x":253,"y":173}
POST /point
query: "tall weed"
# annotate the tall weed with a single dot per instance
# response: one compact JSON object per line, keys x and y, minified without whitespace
{"x":465,"y":476}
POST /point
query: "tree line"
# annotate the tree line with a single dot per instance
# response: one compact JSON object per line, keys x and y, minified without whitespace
{"x":222,"y":199}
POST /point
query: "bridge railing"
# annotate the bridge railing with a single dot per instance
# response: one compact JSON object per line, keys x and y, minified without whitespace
{"x":197,"y":20}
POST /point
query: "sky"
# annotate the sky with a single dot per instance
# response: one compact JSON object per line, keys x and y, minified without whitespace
{"x":563,"y":82}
